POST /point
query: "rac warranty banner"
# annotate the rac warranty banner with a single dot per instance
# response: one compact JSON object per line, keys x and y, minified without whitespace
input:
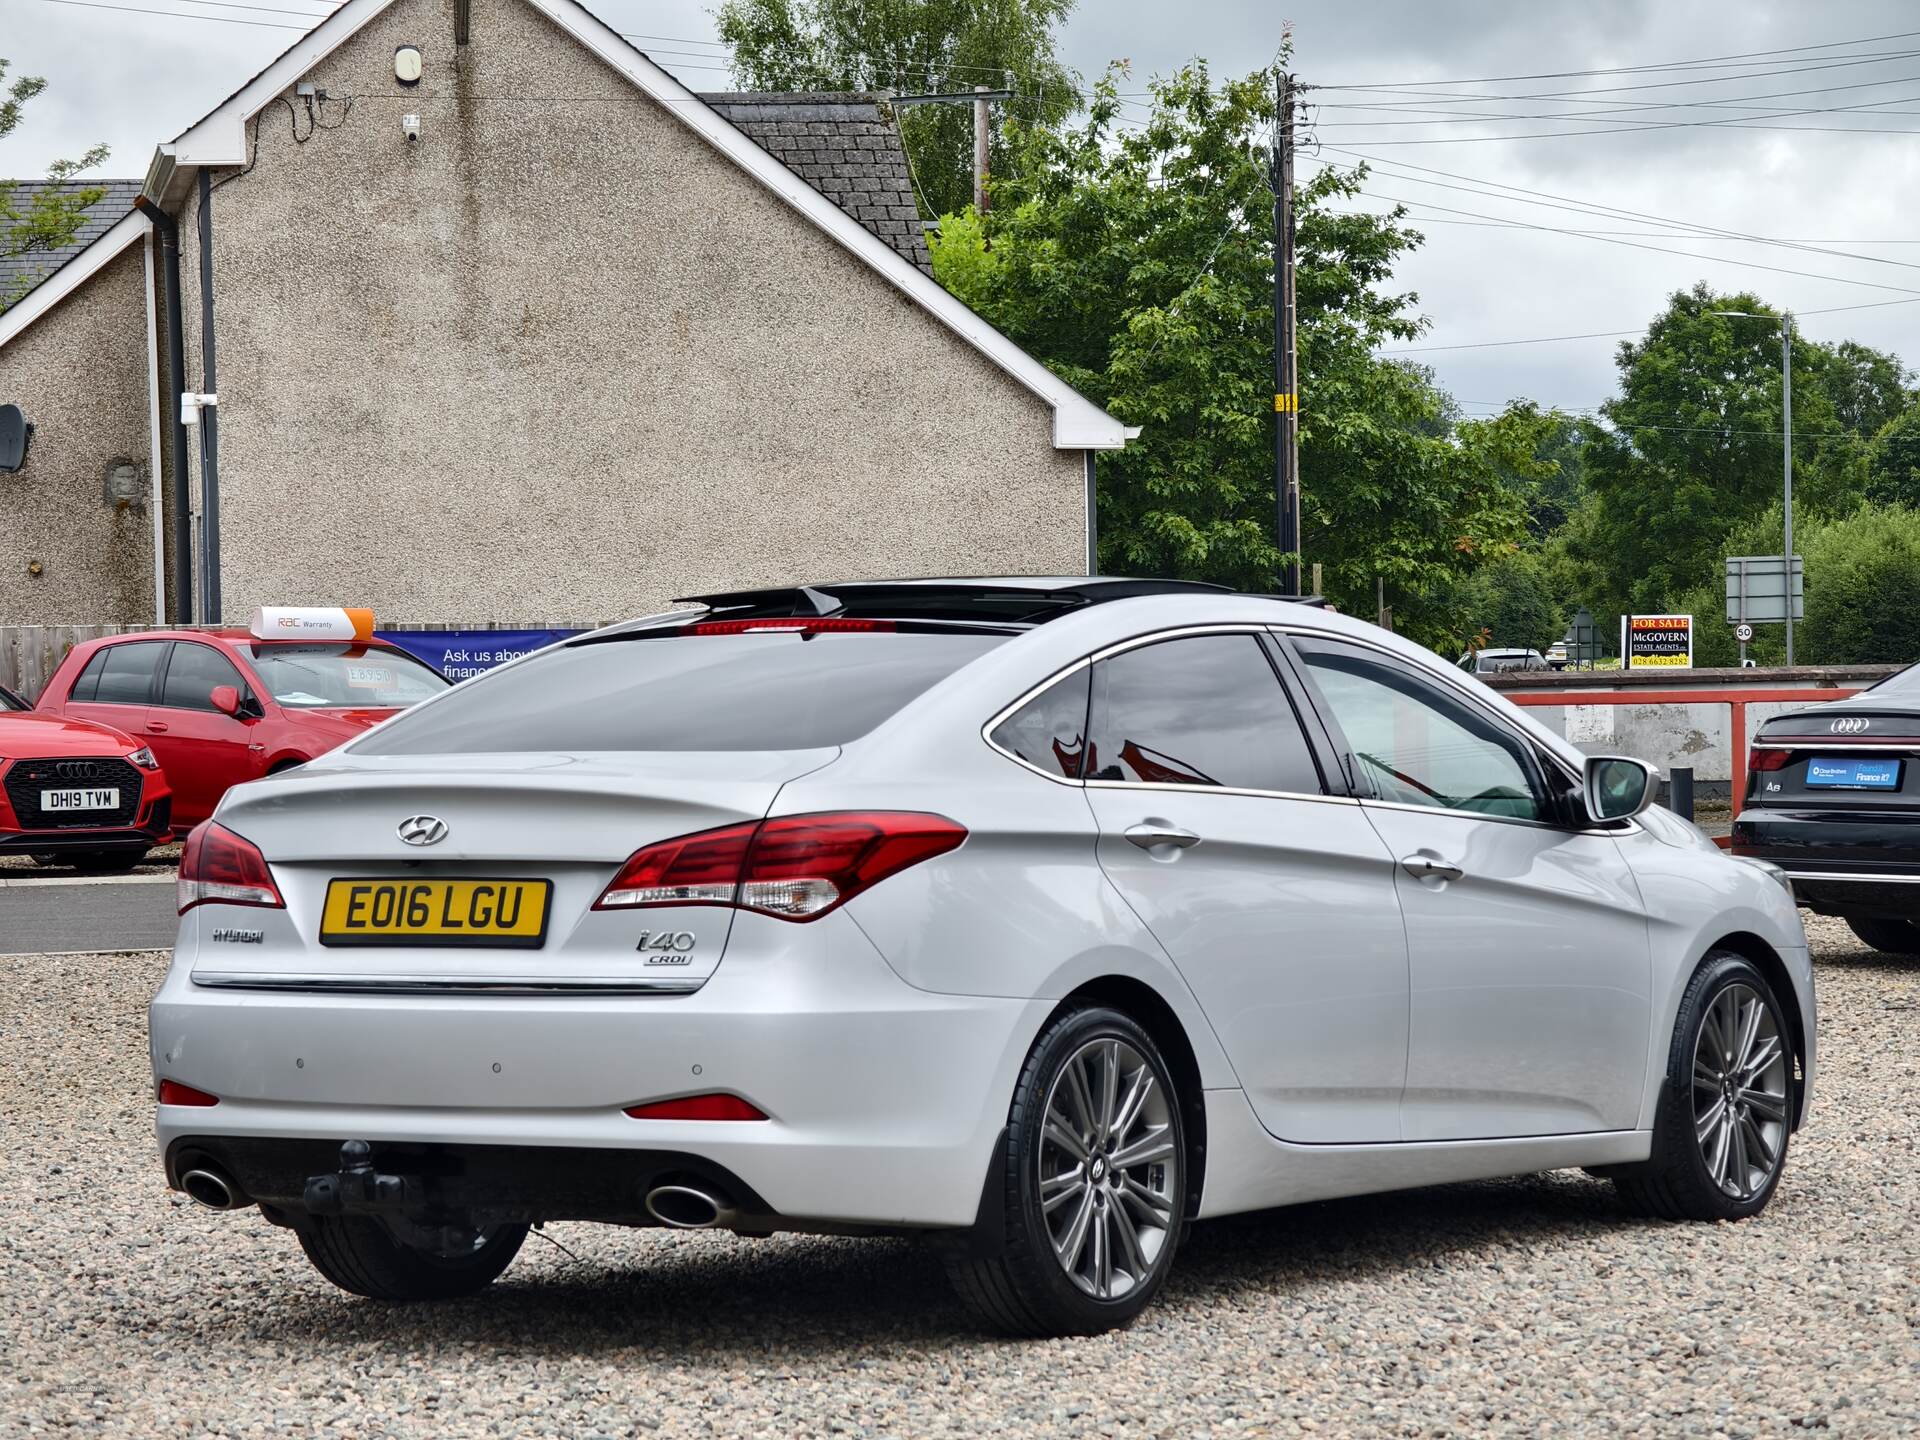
{"x":1656,"y":642}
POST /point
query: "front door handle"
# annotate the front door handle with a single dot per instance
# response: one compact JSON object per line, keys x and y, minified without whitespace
{"x":1429,"y":867}
{"x":158,"y":727}
{"x":1154,"y":833}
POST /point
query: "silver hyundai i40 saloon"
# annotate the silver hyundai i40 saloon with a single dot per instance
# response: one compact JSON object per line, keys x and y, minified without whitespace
{"x":1039,"y":918}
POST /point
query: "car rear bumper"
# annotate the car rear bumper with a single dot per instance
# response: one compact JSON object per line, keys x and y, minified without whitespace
{"x":885,"y":1100}
{"x":1841,"y":864}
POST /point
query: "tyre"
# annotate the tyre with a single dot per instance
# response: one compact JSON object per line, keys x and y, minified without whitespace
{"x":1725,"y":1112}
{"x":1895,"y":937}
{"x":106,"y":862}
{"x":46,"y":860}
{"x":1096,"y":1184}
{"x":361,"y":1255}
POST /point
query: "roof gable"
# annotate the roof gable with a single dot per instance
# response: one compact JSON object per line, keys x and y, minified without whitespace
{"x":220,"y":141}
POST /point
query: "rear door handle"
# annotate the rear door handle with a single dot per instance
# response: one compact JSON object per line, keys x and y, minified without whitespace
{"x":1429,"y":867}
{"x":1154,"y":833}
{"x":159,"y":727}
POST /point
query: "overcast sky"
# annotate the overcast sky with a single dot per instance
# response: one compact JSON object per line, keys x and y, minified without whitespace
{"x":131,"y":80}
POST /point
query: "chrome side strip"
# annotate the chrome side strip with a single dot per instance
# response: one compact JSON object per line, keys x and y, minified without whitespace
{"x":1847,"y":875}
{"x":438,"y":984}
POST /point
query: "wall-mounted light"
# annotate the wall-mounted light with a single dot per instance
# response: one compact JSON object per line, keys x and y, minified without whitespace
{"x":410,"y":127}
{"x":407,"y":65}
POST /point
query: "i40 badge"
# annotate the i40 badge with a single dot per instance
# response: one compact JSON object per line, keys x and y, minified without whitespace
{"x":667,"y":947}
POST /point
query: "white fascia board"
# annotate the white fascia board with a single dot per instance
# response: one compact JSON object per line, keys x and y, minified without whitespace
{"x":72,"y":275}
{"x":220,"y":138}
{"x":1078,"y":424}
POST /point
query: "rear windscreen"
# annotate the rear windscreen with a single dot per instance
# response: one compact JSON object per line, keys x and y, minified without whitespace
{"x":694,"y":692}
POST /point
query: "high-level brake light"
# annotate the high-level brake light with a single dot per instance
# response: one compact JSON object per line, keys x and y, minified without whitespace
{"x":805,"y":624}
{"x":220,"y":867}
{"x":794,"y":867}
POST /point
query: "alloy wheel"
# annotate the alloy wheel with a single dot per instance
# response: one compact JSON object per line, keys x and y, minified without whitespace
{"x":1109,"y":1168}
{"x":1740,"y":1092}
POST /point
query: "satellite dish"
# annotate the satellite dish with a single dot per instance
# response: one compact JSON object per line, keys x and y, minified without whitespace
{"x":15,"y":432}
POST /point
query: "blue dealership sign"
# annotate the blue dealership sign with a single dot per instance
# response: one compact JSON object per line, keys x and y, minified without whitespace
{"x":462,"y":654}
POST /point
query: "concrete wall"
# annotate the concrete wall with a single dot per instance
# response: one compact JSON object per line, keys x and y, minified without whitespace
{"x":560,"y":356}
{"x":79,"y":373}
{"x":1668,"y":733}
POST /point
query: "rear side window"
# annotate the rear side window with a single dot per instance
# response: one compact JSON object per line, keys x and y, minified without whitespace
{"x":1049,"y":732}
{"x":120,"y":674}
{"x":1206,"y":710}
{"x":767,"y":691}
{"x":194,"y":673}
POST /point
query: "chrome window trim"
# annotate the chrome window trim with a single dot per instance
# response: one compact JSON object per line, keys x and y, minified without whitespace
{"x":1839,"y":747}
{"x":1002,"y":716}
{"x":1546,"y":757}
{"x":438,"y":984}
{"x":1119,"y":647}
{"x":1844,"y":875}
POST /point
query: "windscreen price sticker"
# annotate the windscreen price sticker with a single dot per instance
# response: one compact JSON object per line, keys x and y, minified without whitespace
{"x":1658,"y":642}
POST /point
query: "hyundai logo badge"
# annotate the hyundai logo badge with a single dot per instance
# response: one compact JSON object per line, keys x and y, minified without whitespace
{"x":423,"y":830}
{"x":1848,"y":725}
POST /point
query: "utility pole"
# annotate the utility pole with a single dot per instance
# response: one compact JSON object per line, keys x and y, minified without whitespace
{"x":980,"y":96}
{"x":1786,"y":426}
{"x":1286,"y":388}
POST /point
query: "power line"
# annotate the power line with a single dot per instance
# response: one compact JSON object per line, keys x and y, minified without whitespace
{"x":181,"y":15}
{"x":1637,"y":69}
{"x":1545,"y":199}
{"x":1501,"y":344}
{"x":1642,"y":234}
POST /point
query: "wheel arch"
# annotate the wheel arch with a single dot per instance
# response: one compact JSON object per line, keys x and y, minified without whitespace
{"x":1767,"y":961}
{"x":1150,"y":1010}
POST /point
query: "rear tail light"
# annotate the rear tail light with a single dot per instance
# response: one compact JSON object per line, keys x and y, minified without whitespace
{"x":796,"y":867}
{"x":1763,"y":758}
{"x":699,"y":1107}
{"x":220,"y":867}
{"x":172,"y":1092}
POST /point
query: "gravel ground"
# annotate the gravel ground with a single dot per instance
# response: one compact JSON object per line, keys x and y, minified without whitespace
{"x":161,"y":860}
{"x":1521,"y":1307}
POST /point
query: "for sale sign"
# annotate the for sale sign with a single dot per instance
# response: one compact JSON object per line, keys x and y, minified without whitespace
{"x":1656,"y":642}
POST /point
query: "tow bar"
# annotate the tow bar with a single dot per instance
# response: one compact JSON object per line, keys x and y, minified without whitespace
{"x":358,"y":1189}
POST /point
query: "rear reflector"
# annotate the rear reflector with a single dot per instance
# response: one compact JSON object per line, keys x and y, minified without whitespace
{"x":796,"y":867}
{"x":1761,"y":758}
{"x":805,"y":624}
{"x":698,"y":1107}
{"x":218,"y":867}
{"x":172,"y":1092}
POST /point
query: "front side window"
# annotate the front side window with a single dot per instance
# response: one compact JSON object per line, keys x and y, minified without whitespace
{"x":1414,"y":744}
{"x":194,"y":673}
{"x":1203,"y":710}
{"x":120,"y":674}
{"x":1049,"y":732}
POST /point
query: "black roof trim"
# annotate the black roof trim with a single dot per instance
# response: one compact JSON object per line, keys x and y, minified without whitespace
{"x":1020,"y":600}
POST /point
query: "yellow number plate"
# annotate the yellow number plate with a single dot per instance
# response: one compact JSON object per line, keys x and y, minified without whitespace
{"x":497,"y":913}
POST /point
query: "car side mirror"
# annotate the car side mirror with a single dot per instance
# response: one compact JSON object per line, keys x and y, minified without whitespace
{"x":226,"y":699}
{"x":1617,"y":787}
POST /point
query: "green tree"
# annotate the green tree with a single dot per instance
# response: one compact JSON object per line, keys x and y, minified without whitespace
{"x":914,"y":47}
{"x":1893,"y":461}
{"x":1691,"y":446}
{"x":1511,"y":603}
{"x":1863,"y":572}
{"x":51,"y":216}
{"x":1138,"y":264}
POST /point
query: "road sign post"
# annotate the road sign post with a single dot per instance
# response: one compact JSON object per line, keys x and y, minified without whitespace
{"x":1758,"y":593}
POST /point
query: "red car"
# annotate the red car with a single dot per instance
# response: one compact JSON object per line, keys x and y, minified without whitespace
{"x":72,"y":792}
{"x":222,"y":706}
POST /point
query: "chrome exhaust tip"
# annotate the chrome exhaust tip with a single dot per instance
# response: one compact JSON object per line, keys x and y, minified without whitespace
{"x":682,"y":1207}
{"x":212,"y":1189}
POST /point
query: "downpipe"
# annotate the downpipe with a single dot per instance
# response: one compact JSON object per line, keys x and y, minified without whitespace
{"x":208,"y":1185}
{"x":684,"y":1207}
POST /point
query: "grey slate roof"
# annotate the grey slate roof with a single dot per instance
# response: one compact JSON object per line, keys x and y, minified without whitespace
{"x":844,"y":145}
{"x":106,"y":212}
